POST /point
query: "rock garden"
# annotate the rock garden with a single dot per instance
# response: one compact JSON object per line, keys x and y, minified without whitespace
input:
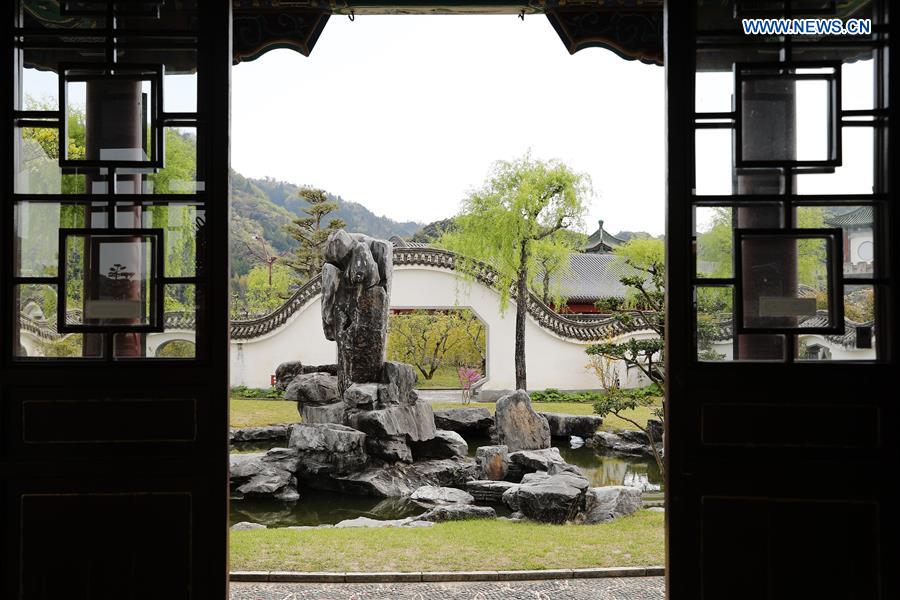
{"x":365,"y":433}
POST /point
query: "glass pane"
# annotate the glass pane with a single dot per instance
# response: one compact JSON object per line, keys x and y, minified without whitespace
{"x":37,"y":235}
{"x":178,"y":340}
{"x":714,"y":163}
{"x":37,"y":332}
{"x":785,"y":282}
{"x":857,"y":224}
{"x":37,"y":166}
{"x":858,"y":83}
{"x":715,"y":323}
{"x":180,"y":173}
{"x":110,"y":280}
{"x":856,"y":173}
{"x":858,"y":340}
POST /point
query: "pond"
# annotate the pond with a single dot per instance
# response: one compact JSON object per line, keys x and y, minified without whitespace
{"x":327,"y":508}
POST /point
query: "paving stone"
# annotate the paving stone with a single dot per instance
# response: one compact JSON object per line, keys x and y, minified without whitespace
{"x":611,"y":588}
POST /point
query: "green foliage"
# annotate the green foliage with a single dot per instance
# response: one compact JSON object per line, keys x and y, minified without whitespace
{"x":523,"y":202}
{"x":430,"y":340}
{"x":310,"y":232}
{"x":553,"y":395}
{"x":242,"y":391}
{"x":177,"y":349}
{"x":252,"y":296}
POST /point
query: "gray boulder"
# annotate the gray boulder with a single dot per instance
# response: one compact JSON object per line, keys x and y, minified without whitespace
{"x":415,"y":421}
{"x":327,"y":413}
{"x":444,"y":444}
{"x":518,"y":426}
{"x":328,"y":448}
{"x":267,"y":475}
{"x":655,"y":429}
{"x":536,"y":460}
{"x":246,"y":526}
{"x":400,"y":479}
{"x":375,"y":523}
{"x":286,"y":372}
{"x":266,"y":433}
{"x":563,"y":425}
{"x":548,"y":498}
{"x":457,"y":512}
{"x":602,"y":504}
{"x":464,"y":420}
{"x":313,"y":388}
{"x":623,"y":443}
{"x":493,"y":462}
{"x":391,"y":449}
{"x":485,"y":490}
{"x":398,"y":382}
{"x":361,"y":396}
{"x":430,"y":495}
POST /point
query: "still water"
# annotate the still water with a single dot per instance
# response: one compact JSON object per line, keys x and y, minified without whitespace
{"x":320,"y":508}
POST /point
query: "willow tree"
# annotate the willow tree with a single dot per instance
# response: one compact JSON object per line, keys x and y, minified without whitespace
{"x":509,"y":222}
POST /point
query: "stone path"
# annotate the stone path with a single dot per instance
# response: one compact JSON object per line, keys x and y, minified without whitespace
{"x":441,"y":395}
{"x":611,"y":588}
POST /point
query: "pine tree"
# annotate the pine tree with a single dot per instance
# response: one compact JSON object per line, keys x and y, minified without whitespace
{"x":311,"y":234}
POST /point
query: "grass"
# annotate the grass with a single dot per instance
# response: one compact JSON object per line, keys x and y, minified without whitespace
{"x":246,"y":412}
{"x":445,"y":378}
{"x":610,"y":422}
{"x":464,"y":545}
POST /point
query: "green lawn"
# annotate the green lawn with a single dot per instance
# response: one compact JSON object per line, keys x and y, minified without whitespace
{"x":445,"y":378}
{"x":640,"y":414}
{"x":246,"y":412}
{"x":251,"y":413}
{"x":478,"y":545}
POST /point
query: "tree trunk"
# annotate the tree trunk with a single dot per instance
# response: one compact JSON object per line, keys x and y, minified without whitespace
{"x":546,"y":290}
{"x":521,"y":311}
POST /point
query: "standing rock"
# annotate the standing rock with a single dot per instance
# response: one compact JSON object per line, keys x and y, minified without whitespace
{"x":398,"y":383}
{"x":493,"y":462}
{"x":602,"y":504}
{"x":444,"y":444}
{"x":655,"y":430}
{"x":355,"y":304}
{"x":518,"y":426}
{"x":464,"y":420}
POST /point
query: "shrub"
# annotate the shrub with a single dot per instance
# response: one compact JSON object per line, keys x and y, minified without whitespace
{"x":242,"y":391}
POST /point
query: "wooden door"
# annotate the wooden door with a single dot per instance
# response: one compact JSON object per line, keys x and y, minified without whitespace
{"x":114,"y":299}
{"x":781,"y":443}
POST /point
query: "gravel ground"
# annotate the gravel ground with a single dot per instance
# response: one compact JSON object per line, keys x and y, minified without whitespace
{"x":612,"y":588}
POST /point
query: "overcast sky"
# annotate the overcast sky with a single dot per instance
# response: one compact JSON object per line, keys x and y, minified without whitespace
{"x":405,"y":114}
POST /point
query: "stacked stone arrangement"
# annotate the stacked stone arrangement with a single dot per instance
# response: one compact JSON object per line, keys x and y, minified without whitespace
{"x":364,"y":430}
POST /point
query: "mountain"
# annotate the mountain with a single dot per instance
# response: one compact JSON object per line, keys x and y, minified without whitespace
{"x":262,"y":207}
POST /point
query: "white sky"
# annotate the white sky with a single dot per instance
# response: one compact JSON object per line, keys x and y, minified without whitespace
{"x":405,"y":114}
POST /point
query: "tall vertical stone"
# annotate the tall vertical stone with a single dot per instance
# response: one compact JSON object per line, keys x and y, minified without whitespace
{"x":356,"y":303}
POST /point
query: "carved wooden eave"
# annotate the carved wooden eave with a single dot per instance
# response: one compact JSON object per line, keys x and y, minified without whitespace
{"x":630,"y":28}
